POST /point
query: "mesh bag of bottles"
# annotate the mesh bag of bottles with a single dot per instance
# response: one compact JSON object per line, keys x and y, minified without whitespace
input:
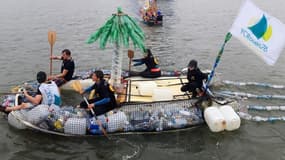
{"x":75,"y":126}
{"x":68,"y":119}
{"x":58,"y":117}
{"x":38,"y":114}
{"x":116,"y":121}
{"x":160,"y":116}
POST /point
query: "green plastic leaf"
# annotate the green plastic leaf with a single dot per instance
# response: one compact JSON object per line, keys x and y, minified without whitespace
{"x":119,"y":29}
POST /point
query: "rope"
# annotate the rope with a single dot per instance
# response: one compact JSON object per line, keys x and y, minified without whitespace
{"x":265,"y":108}
{"x":250,"y":117}
{"x":227,"y":38}
{"x":249,"y":95}
{"x":247,"y":116}
{"x":253,"y":84}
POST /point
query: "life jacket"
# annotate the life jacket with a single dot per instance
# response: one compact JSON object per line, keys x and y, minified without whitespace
{"x":110,"y":87}
{"x":50,"y":93}
{"x":152,"y":63}
{"x":155,"y":70}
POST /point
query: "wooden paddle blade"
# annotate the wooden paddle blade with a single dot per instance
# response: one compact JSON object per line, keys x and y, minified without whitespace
{"x":130,"y":53}
{"x":76,"y":85}
{"x":102,"y":129}
{"x":15,"y":89}
{"x":51,"y":37}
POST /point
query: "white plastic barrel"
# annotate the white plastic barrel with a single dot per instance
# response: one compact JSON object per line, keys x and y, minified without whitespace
{"x":232,"y":119}
{"x":145,"y":88}
{"x":214,"y":119}
{"x":162,"y":94}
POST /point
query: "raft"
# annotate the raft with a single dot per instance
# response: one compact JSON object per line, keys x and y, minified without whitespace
{"x":146,"y":105}
{"x":129,"y":118}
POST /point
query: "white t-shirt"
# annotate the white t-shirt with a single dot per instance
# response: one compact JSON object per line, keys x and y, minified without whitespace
{"x":50,"y":94}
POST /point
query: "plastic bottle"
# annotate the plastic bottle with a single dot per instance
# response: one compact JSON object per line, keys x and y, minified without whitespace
{"x":161,"y":124}
{"x":58,"y":125}
{"x":95,"y":129}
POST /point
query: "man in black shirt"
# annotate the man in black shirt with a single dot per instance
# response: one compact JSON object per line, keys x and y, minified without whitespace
{"x":67,"y":68}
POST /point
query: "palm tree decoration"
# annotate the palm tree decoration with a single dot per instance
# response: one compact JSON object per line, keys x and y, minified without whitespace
{"x":118,"y":30}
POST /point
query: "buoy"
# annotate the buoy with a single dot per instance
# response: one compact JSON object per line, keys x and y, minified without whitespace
{"x":231,"y":117}
{"x":214,"y":119}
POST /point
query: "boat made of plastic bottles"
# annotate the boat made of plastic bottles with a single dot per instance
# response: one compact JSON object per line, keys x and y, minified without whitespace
{"x":146,"y":106}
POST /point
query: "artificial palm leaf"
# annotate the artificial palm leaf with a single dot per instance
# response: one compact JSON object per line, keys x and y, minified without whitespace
{"x":118,"y":30}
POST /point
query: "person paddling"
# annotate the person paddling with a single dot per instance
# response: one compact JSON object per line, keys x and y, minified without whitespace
{"x":67,"y":68}
{"x":104,"y":100}
{"x":152,"y":68}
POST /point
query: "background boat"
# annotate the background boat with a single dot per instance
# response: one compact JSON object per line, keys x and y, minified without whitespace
{"x":150,"y":13}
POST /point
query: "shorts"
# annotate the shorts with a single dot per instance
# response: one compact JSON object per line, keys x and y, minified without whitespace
{"x":59,"y":81}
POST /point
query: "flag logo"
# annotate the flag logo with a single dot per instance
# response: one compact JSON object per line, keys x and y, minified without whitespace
{"x":261,"y":29}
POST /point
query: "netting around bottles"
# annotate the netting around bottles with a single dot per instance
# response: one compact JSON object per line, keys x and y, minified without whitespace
{"x":130,"y":117}
{"x":161,"y":115}
{"x":75,"y":126}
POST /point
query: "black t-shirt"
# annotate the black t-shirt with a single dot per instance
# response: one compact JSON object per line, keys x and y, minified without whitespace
{"x":68,"y":65}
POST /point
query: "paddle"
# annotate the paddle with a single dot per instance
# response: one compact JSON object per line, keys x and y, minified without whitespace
{"x":131,"y":56}
{"x":76,"y":85}
{"x":51,"y":40}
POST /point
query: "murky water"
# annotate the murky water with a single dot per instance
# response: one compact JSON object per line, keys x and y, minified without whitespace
{"x":191,"y":29}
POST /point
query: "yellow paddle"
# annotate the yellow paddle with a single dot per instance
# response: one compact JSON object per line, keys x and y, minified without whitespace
{"x":76,"y":85}
{"x":51,"y":40}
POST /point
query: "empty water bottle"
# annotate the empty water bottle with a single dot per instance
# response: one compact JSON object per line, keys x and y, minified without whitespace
{"x":160,"y":126}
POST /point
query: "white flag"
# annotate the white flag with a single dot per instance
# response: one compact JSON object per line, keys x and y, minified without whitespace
{"x":264,"y":34}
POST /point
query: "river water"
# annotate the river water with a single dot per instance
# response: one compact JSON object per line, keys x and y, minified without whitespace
{"x":191,"y":29}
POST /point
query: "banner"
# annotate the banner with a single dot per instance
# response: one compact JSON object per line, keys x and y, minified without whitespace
{"x":262,"y":33}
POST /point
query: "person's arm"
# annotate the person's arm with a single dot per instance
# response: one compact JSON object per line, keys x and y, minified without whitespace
{"x":34,"y":100}
{"x":89,"y":89}
{"x":100,"y":102}
{"x":56,"y":57}
{"x":138,"y":62}
{"x":103,"y":101}
{"x":104,"y":95}
{"x":61,"y":75}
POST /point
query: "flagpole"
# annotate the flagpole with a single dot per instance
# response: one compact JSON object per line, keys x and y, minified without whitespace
{"x":218,"y":58}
